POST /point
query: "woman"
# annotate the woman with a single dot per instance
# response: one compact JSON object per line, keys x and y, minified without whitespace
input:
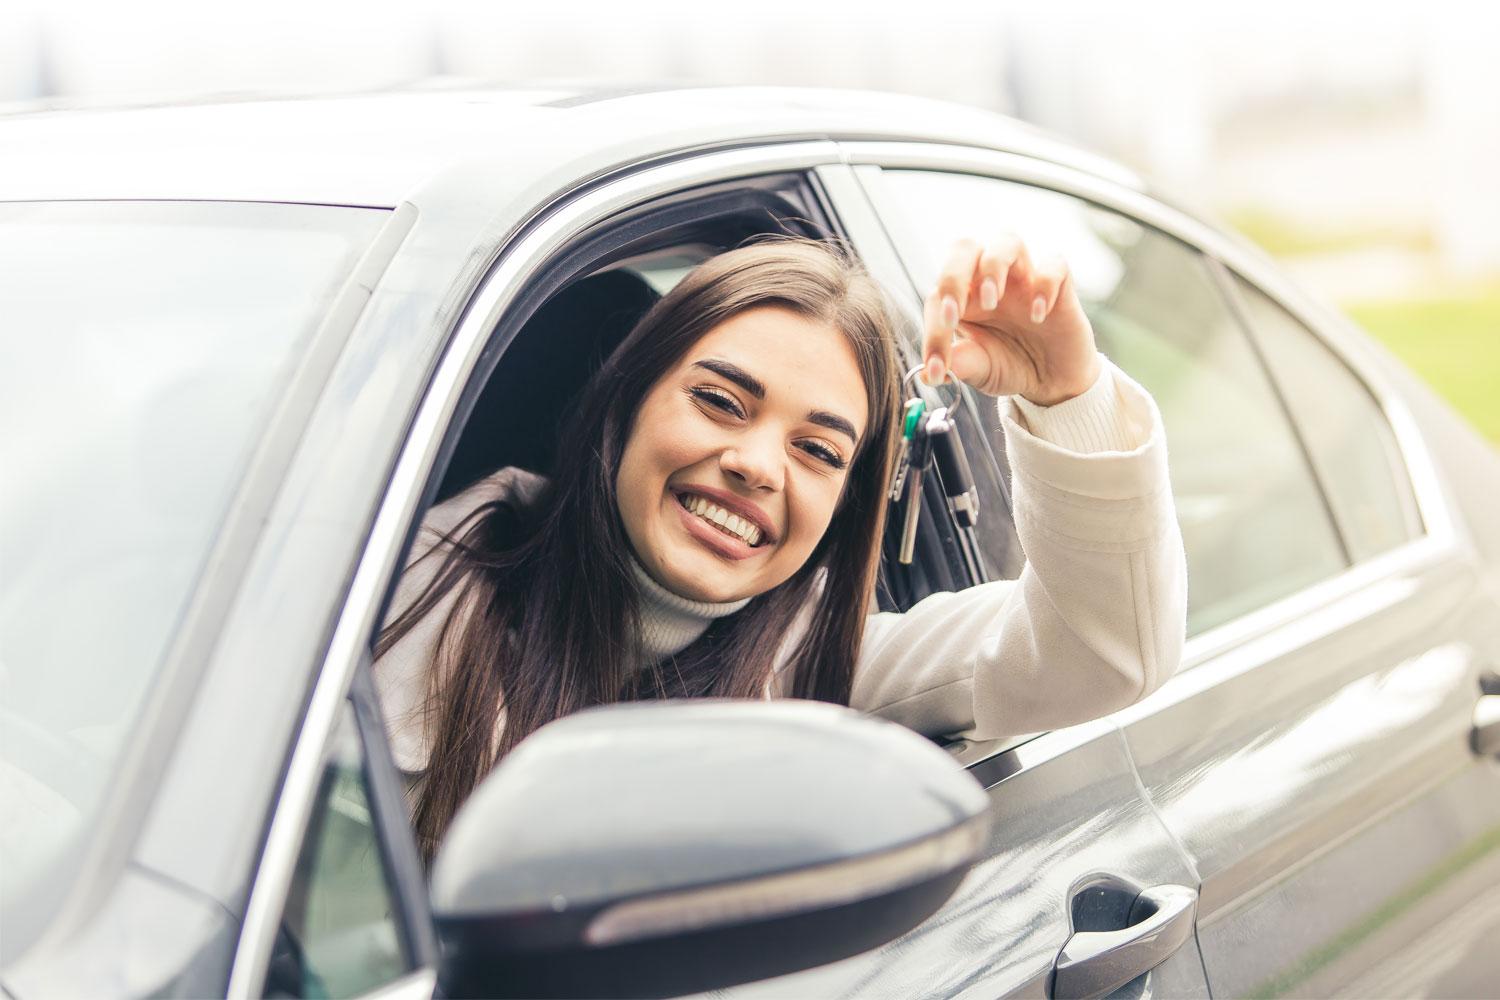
{"x":718,"y":532}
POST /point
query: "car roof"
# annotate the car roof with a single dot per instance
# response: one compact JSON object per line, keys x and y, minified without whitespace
{"x":375,"y":149}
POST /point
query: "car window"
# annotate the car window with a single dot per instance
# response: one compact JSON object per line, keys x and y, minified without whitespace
{"x":145,"y":347}
{"x":1254,"y":522}
{"x":338,"y":935}
{"x":1345,"y":430}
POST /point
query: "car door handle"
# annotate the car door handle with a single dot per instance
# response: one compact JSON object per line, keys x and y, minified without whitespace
{"x":1485,"y":736}
{"x":1095,"y":963}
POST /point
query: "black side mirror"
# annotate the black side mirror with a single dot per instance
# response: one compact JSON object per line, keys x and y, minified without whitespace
{"x":669,"y":848}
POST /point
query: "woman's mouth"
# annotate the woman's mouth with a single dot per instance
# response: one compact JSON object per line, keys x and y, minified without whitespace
{"x":717,"y":517}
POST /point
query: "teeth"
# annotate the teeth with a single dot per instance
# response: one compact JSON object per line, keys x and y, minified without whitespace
{"x":731,"y":523}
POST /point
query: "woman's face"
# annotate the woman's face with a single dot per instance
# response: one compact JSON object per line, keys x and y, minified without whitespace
{"x":738,"y":455}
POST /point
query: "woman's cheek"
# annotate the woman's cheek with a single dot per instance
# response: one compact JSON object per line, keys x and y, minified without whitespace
{"x":814,"y":508}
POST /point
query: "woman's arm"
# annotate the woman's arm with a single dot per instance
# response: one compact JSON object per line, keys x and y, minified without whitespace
{"x":1096,"y":619}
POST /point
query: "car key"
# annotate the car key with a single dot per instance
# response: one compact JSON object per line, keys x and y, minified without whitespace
{"x":911,"y":415}
{"x":918,"y":455}
{"x":953,"y":468}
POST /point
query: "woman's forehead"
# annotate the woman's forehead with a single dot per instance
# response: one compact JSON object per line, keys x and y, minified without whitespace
{"x":796,"y":360}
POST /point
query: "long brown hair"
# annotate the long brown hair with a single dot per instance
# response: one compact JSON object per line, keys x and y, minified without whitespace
{"x":535,"y":636}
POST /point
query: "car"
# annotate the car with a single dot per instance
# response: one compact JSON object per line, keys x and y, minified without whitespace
{"x":248,"y":343}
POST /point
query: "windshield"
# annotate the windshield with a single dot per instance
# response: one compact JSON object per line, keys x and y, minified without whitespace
{"x":143,"y":345}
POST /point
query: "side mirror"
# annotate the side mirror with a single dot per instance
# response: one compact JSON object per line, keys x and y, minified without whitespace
{"x":653,"y":850}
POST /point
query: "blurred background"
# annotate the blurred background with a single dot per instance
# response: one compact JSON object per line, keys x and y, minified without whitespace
{"x":1357,"y":142}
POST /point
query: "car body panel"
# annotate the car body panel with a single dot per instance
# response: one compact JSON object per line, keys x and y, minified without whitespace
{"x":1326,"y":783}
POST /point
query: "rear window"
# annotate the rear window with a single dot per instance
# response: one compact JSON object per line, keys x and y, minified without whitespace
{"x":144,"y":347}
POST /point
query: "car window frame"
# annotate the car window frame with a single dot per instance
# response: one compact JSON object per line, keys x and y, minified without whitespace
{"x":1301,"y":616}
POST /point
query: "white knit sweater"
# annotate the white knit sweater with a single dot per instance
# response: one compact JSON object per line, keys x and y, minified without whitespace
{"x":1095,"y":621}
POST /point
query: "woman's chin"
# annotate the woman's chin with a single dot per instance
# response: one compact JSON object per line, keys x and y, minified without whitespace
{"x":706,"y":580}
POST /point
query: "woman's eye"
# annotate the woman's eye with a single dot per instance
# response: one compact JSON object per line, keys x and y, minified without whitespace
{"x":718,"y":399}
{"x":823,"y":453}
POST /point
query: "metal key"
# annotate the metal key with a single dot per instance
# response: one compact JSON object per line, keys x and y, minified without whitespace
{"x":911,"y":415}
{"x":918,"y":456}
{"x":953,"y":468}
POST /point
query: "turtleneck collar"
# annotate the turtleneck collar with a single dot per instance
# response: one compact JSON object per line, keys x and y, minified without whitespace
{"x":670,"y":623}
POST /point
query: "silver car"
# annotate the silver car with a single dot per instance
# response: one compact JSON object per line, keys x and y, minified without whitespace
{"x":247,"y":344}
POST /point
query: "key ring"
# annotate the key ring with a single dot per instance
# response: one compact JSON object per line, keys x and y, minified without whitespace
{"x":947,"y":377}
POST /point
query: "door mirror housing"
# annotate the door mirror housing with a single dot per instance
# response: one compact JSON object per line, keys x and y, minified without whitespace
{"x":670,"y":848}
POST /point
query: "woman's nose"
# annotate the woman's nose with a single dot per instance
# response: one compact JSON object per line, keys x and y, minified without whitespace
{"x":757,"y":466}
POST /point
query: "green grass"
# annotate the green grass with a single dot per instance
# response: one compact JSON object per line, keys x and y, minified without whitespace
{"x":1283,"y":236}
{"x":1453,"y":342}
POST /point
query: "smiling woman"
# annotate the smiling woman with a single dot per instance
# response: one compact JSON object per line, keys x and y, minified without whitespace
{"x":774,"y":402}
{"x":722,"y":535}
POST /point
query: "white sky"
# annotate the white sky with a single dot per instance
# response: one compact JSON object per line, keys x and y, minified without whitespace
{"x":1227,"y":103}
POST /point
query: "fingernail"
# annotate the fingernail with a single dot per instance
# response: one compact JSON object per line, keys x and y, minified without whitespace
{"x":989,"y":295}
{"x":934,"y":373}
{"x":1038,"y":310}
{"x":950,"y":311}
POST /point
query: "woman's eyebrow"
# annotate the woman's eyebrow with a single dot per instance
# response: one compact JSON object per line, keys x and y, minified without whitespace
{"x":833,"y":422}
{"x":757,"y":388}
{"x":735,"y":374}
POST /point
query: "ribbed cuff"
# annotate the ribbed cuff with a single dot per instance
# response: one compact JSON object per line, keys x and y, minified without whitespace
{"x":1090,"y":422}
{"x":1134,"y":470}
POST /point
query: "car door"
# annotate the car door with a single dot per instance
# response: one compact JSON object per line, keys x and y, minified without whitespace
{"x":1312,"y":756}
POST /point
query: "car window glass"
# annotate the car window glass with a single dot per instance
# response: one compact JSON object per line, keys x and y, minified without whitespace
{"x":338,"y":935}
{"x":1344,"y":427}
{"x":145,"y":346}
{"x":1254,"y":522}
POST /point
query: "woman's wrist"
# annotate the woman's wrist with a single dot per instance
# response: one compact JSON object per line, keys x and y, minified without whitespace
{"x":1091,"y":422}
{"x":1063,"y":390}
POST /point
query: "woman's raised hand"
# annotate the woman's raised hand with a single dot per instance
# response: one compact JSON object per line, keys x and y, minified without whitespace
{"x":1006,"y":324}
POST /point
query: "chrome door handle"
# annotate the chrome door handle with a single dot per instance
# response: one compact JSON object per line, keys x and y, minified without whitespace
{"x":1484,"y":738}
{"x":1095,"y":963}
